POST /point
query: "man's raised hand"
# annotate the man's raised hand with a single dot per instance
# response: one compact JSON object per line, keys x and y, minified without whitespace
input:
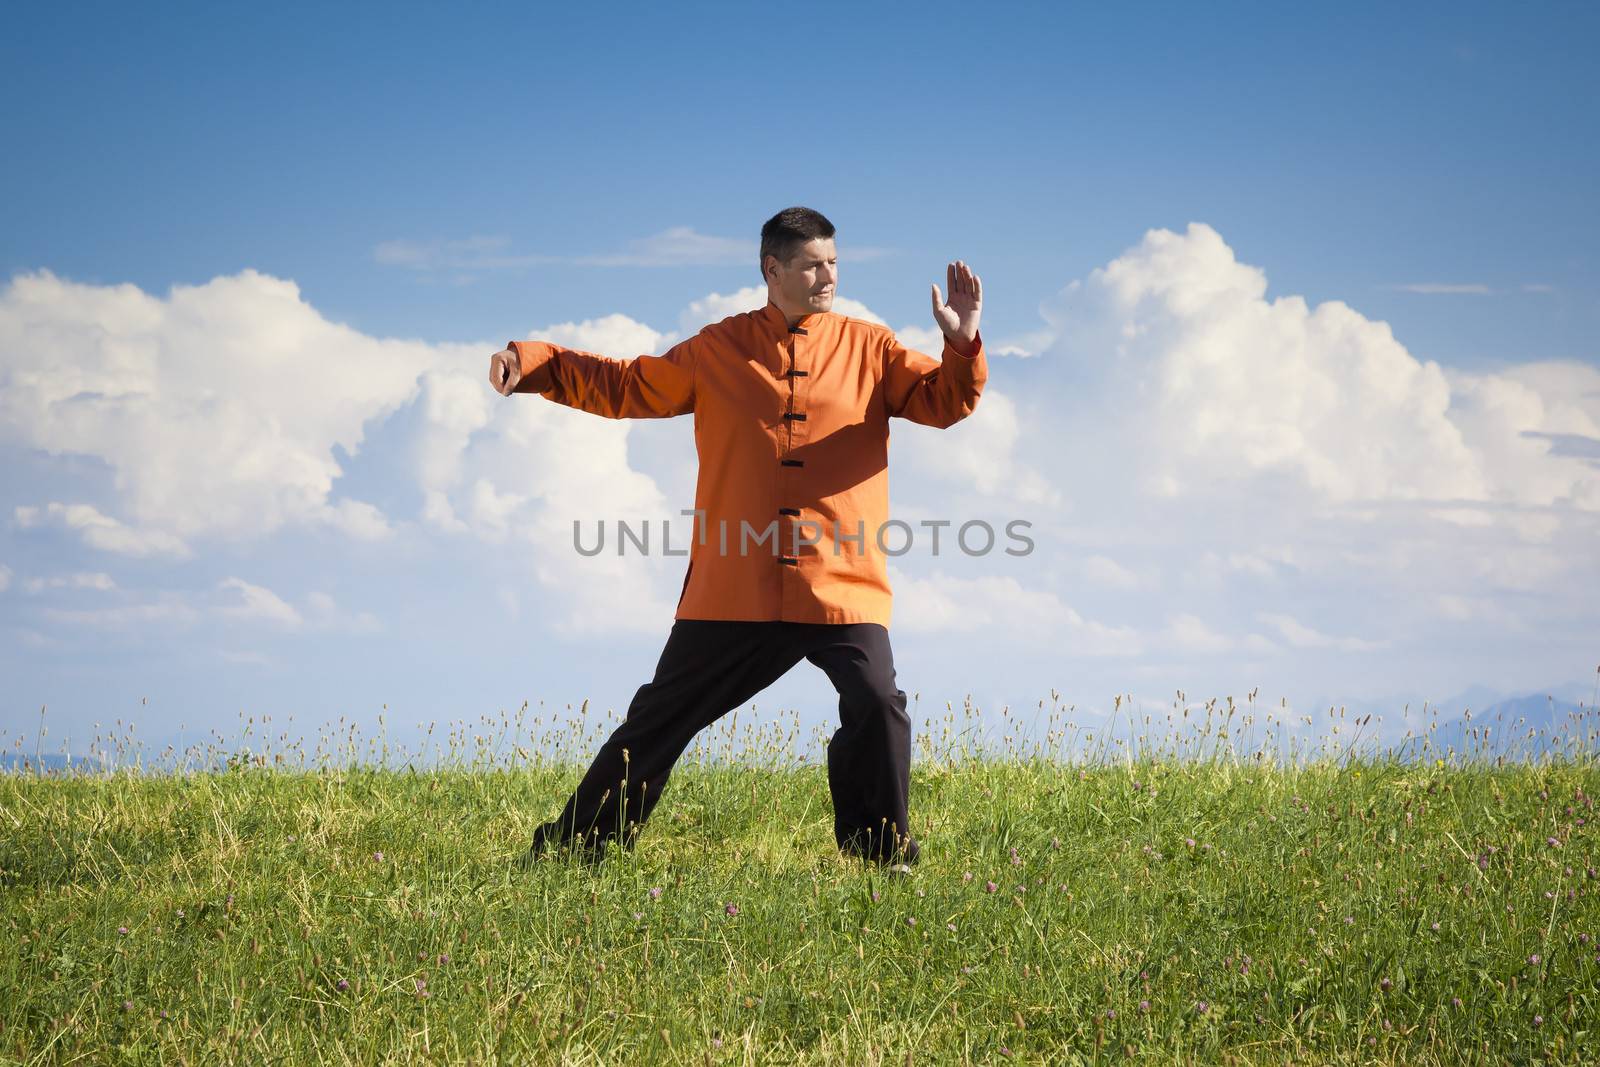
{"x":505,"y":371}
{"x":959,"y":318}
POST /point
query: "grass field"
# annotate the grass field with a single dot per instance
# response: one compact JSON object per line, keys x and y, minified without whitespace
{"x":1207,"y":900}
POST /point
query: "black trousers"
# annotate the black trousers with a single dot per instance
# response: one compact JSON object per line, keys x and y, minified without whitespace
{"x":707,"y":669}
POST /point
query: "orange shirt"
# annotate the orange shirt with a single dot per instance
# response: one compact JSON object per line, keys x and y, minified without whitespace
{"x":791,"y":426}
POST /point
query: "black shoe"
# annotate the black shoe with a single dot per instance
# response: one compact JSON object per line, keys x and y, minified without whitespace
{"x":547,"y":841}
{"x":860,"y":843}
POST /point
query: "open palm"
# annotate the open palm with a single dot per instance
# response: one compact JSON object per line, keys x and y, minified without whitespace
{"x":958,"y":317}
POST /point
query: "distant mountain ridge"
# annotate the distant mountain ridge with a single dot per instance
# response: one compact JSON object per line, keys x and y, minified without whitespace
{"x":49,"y":762}
{"x":1532,"y":724}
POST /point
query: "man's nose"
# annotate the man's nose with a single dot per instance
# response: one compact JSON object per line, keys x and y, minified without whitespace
{"x":830,"y":273}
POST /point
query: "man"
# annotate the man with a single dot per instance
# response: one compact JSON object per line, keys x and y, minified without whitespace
{"x":791,"y":405}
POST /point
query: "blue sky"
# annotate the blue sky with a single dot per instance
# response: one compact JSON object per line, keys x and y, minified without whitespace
{"x":361,"y":204}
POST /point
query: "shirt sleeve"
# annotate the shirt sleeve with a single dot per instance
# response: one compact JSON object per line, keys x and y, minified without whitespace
{"x":644,"y":387}
{"x":934,"y":393}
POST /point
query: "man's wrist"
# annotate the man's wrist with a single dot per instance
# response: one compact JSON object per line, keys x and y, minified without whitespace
{"x":960,"y":345}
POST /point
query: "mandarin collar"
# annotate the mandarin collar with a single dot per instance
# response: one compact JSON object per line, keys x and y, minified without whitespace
{"x":778,"y":322}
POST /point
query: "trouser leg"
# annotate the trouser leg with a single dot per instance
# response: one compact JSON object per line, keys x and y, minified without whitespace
{"x":869,"y":756}
{"x":707,"y":669}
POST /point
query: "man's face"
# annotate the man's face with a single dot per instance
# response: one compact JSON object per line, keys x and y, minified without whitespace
{"x":807,"y":281}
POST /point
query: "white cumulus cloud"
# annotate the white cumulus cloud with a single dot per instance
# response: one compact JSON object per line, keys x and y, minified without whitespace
{"x":98,"y":580}
{"x":1300,"y":635}
{"x":99,"y":530}
{"x":1002,"y":608}
{"x":217,"y":408}
{"x":1230,"y":389}
{"x":254,"y":602}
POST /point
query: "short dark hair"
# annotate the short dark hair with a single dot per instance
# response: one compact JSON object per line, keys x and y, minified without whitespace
{"x":786,"y":231}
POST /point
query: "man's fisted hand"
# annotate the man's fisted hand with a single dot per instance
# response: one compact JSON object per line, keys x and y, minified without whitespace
{"x":505,"y":371}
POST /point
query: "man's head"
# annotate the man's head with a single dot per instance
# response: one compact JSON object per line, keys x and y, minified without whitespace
{"x":798,"y":261}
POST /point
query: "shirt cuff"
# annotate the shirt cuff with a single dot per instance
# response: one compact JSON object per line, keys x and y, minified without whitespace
{"x":977,"y":347}
{"x":533,"y":358}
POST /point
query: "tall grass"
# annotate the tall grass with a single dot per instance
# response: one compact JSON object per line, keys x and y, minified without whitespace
{"x":1211,"y":882}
